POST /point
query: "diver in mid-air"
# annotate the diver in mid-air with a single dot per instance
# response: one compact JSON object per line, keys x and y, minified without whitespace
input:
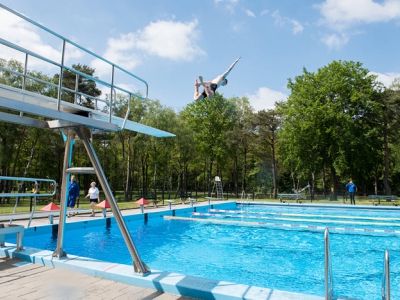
{"x":211,"y":86}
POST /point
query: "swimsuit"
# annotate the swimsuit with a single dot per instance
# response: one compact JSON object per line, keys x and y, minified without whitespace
{"x":213,"y":87}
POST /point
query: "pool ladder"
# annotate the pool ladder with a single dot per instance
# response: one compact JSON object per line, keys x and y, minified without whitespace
{"x":385,"y":288}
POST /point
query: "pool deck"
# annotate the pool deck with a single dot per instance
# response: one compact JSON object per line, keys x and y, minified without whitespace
{"x":24,"y":280}
{"x":35,"y":274}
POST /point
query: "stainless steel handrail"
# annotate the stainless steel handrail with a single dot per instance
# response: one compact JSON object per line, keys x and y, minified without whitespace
{"x":328,"y":267}
{"x":34,"y":195}
{"x":63,"y":67}
{"x":385,"y":290}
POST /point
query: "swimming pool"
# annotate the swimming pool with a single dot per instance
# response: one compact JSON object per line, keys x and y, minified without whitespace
{"x":271,"y":254}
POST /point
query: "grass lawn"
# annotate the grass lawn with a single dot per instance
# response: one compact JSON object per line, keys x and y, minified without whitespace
{"x":24,"y":203}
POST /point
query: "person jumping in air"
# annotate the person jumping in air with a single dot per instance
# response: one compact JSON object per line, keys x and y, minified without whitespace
{"x":211,"y":86}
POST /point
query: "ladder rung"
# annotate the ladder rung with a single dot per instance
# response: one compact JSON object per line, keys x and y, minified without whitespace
{"x":81,"y":170}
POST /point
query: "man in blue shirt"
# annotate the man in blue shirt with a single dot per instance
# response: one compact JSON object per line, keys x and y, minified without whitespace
{"x":352,"y":188}
{"x":73,"y":194}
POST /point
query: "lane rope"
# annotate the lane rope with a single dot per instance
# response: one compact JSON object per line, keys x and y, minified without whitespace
{"x":292,"y":226}
{"x":301,"y":215}
{"x":295,"y":219}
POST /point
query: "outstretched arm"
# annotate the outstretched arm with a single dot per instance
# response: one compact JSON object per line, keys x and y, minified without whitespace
{"x":230,"y":68}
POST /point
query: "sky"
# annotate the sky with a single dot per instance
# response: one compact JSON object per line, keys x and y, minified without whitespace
{"x":169,"y":43}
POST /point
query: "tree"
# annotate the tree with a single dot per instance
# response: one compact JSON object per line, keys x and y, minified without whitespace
{"x":81,"y":84}
{"x":210,"y":120}
{"x":267,"y":124}
{"x":390,"y":126}
{"x":330,"y":112}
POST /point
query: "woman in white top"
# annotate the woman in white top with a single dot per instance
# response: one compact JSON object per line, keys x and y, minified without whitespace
{"x":93,"y":193}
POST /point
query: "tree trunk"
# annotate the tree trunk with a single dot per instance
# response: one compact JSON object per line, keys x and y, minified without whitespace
{"x":155,"y":172}
{"x":274,"y":181}
{"x":210,"y":168}
{"x":324,"y":182}
{"x":333,"y":184}
{"x":388,"y":189}
{"x":18,"y":152}
{"x":235,"y":176}
{"x":244,"y":169}
{"x":312,"y":193}
{"x":128,"y":186}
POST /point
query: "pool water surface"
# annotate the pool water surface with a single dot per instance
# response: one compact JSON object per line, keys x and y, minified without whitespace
{"x":274,"y":257}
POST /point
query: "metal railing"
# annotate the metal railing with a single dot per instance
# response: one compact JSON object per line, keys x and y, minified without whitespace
{"x":328,"y":267}
{"x":35,"y":194}
{"x":386,"y":277}
{"x":60,"y":88}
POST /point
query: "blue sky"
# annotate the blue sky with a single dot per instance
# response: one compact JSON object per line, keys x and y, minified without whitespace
{"x":170,"y":42}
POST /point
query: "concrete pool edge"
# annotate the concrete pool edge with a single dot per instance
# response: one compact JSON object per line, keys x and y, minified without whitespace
{"x":172,"y":283}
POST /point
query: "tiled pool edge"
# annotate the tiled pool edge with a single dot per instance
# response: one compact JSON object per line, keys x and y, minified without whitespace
{"x":172,"y":283}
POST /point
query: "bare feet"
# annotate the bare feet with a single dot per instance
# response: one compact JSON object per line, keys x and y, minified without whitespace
{"x":201,"y":80}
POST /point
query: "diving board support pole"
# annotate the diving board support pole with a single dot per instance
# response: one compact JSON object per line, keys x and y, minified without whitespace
{"x":84,"y":134}
{"x":68,"y":137}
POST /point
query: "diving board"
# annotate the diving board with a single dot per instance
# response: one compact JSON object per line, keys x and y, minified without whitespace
{"x":69,"y":114}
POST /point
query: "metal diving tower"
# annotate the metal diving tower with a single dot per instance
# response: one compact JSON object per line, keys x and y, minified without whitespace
{"x":30,"y":108}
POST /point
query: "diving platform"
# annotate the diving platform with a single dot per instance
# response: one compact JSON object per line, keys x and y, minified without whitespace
{"x":25,"y":100}
{"x":68,"y":114}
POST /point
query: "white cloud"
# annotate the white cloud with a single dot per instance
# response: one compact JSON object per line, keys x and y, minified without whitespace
{"x":341,"y":14}
{"x":229,"y":5}
{"x":167,"y":39}
{"x":297,"y":27}
{"x":335,"y":41}
{"x":386,"y":79}
{"x":24,"y":34}
{"x":250,"y":13}
{"x":278,"y":18}
{"x":174,"y":40}
{"x":265,"y":98}
{"x":283,"y":21}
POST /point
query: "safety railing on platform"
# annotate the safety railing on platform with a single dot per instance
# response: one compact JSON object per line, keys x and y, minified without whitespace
{"x":35,"y":182}
{"x":60,"y":86}
{"x":328,"y":267}
{"x":386,"y":277}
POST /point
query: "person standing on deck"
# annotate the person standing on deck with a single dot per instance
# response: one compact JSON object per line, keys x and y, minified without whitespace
{"x":352,"y":189}
{"x":93,"y":193}
{"x":73,"y":194}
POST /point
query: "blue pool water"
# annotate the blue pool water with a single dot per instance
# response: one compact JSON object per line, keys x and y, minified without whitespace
{"x":273,"y":256}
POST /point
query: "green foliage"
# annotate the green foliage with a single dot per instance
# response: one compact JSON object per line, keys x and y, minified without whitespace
{"x":328,"y":121}
{"x":335,"y":124}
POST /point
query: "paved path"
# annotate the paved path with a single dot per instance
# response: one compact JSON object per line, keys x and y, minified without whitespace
{"x":22,"y":280}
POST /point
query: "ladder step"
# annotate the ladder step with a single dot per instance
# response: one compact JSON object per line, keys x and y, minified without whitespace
{"x":81,"y":170}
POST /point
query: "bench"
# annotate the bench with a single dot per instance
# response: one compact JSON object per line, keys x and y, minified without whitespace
{"x":151,"y":198}
{"x":388,"y":198}
{"x":8,"y":229}
{"x":291,"y":197}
